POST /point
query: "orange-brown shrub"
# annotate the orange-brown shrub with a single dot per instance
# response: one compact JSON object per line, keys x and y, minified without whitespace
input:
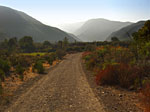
{"x":123,"y":75}
{"x":91,"y":63}
{"x":107,"y":76}
{"x":84,"y":54}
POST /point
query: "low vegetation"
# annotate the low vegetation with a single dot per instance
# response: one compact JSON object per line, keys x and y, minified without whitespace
{"x":18,"y":58}
{"x":38,"y":66}
{"x":124,"y":66}
{"x":20,"y":70}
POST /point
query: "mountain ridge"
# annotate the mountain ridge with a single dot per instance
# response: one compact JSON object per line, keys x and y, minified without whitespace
{"x":15,"y":23}
{"x":125,"y":33}
{"x":98,"y":29}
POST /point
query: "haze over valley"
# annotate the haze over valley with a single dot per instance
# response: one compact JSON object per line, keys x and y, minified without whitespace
{"x":92,"y":30}
{"x":83,"y":23}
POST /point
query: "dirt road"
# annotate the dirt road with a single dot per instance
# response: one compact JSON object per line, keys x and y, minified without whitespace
{"x":63,"y":89}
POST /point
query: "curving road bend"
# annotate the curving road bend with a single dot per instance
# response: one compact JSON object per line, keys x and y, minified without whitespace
{"x":63,"y":89}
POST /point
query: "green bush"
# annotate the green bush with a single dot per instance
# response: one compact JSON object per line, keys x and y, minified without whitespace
{"x":20,"y":70}
{"x":50,"y":58}
{"x":25,"y":61}
{"x":2,"y":75}
{"x":50,"y":61}
{"x":39,"y":67}
{"x":5,"y":66}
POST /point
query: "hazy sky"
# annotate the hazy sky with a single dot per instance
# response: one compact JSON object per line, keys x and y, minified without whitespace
{"x":54,"y":12}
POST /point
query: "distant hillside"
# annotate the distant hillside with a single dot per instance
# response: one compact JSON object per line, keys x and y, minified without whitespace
{"x":98,"y":29}
{"x":18,"y":24}
{"x":75,"y":37}
{"x":126,"y":32}
{"x":71,"y":28}
{"x":2,"y":36}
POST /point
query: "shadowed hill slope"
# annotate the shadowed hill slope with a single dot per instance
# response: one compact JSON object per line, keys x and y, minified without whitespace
{"x":98,"y":29}
{"x":14,"y":23}
{"x":126,"y":32}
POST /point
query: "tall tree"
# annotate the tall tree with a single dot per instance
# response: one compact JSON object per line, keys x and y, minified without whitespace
{"x":142,"y":42}
{"x":114,"y":39}
{"x":60,"y":44}
{"x":143,"y":35}
{"x":26,"y":44}
{"x":65,"y":43}
{"x":46,"y":44}
{"x":12,"y":44}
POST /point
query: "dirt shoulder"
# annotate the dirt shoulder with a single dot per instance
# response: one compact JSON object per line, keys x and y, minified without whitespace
{"x":114,"y":99}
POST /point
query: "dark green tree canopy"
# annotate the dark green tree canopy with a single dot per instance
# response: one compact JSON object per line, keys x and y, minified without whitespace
{"x":26,"y":44}
{"x":114,"y":39}
{"x":65,"y":42}
{"x":46,"y":43}
{"x":12,"y":42}
{"x":60,"y":44}
{"x":143,"y":35}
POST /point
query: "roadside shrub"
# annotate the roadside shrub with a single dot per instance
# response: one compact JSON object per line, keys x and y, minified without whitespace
{"x":145,"y":70}
{"x":50,"y":61}
{"x":104,"y":55}
{"x":123,"y":75}
{"x":129,"y":76}
{"x":91,"y":60}
{"x":2,"y":75}
{"x":39,"y":67}
{"x":91,"y":63}
{"x":146,"y":96}
{"x":13,"y":60}
{"x":60,"y":53}
{"x":122,"y":55}
{"x":107,"y":76}
{"x":20,"y":70}
{"x":5,"y":66}
{"x":86,"y":55}
{"x":51,"y":58}
{"x":25,"y":61}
